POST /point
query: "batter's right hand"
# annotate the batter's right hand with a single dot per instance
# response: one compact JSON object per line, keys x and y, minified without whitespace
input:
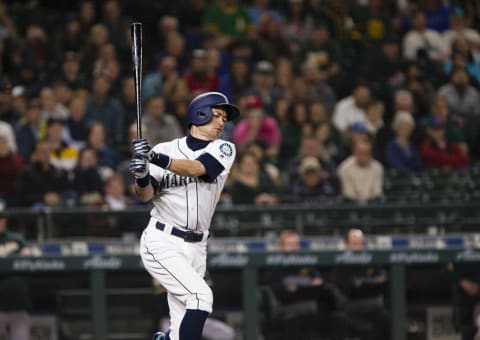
{"x":139,"y":167}
{"x":141,"y":148}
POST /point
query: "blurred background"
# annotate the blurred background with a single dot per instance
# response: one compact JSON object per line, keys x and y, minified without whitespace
{"x":358,"y":155}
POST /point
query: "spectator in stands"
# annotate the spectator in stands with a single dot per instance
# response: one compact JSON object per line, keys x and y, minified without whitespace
{"x":373,"y":22}
{"x":422,"y":43}
{"x":128,"y":100}
{"x":361,"y":176}
{"x":459,"y":29}
{"x":300,"y":298}
{"x":108,"y":158}
{"x":329,"y":145}
{"x":464,"y":105}
{"x":51,"y":108}
{"x":19,"y":103}
{"x":317,"y":87}
{"x":271,"y":41}
{"x":421,"y":88}
{"x":114,"y":20}
{"x":438,"y":152}
{"x":11,"y":164}
{"x":228,"y":20}
{"x":463,"y":99}
{"x":351,"y":109}
{"x":298,"y":24}
{"x":71,"y":72}
{"x":15,"y":299}
{"x":251,"y":185}
{"x":292,"y":133}
{"x":106,"y":109}
{"x":386,"y":67}
{"x":236,"y":81}
{"x":257,"y":126}
{"x":283,"y":77}
{"x":312,"y":185}
{"x":403,"y":101}
{"x":30,"y":129}
{"x":64,"y":155}
{"x":263,"y":84}
{"x":401,"y":153}
{"x":97,"y":37}
{"x":267,"y":165}
{"x":319,"y":49}
{"x":378,"y":133}
{"x":77,"y":122}
{"x":70,"y":38}
{"x":7,"y":132}
{"x":262,"y":9}
{"x":114,"y":189}
{"x":107,"y":63}
{"x":198,"y":79}
{"x":7,"y":112}
{"x":163,"y":126}
{"x":42,"y":184}
{"x":356,"y":132}
{"x":309,"y":147}
{"x":87,"y":182}
{"x":462,"y":57}
{"x":363,"y":290}
{"x":441,"y":112}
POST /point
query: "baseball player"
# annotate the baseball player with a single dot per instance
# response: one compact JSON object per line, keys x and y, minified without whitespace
{"x":184,"y":178}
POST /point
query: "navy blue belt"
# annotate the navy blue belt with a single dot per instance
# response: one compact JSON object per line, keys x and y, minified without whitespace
{"x":187,"y":235}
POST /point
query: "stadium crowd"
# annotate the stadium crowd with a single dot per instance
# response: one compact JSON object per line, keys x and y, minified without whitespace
{"x":333,"y":93}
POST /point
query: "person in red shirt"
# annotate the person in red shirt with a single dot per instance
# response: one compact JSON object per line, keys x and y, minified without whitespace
{"x":198,"y":78}
{"x":438,"y":152}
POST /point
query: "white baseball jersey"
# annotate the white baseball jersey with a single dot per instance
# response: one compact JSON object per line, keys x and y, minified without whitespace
{"x":189,"y":202}
{"x":182,"y":203}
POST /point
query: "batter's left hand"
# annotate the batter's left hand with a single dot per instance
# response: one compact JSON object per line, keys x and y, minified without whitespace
{"x":141,"y":148}
{"x":139,"y":167}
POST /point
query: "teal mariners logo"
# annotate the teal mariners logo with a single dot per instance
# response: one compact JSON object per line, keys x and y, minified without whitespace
{"x":226,"y":149}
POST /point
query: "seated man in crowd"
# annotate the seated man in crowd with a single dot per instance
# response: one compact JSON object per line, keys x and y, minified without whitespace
{"x":42,"y":183}
{"x":363,"y":294}
{"x":313,"y":184}
{"x":304,"y":300}
{"x":361,"y":176}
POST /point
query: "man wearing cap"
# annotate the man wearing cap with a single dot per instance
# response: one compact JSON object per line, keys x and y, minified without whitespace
{"x":257,"y":127}
{"x":184,"y":179}
{"x":312,"y":184}
{"x":437,"y":151}
{"x":14,"y":296}
{"x":263,"y":84}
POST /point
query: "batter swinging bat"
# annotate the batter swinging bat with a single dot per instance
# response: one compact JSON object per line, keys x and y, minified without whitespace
{"x":136,"y":34}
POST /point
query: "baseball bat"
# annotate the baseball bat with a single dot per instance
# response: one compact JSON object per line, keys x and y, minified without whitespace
{"x":136,"y":34}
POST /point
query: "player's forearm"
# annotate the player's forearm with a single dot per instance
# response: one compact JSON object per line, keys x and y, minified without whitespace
{"x":144,"y":194}
{"x":187,"y":167}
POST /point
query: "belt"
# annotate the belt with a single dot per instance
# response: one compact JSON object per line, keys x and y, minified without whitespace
{"x":192,"y":236}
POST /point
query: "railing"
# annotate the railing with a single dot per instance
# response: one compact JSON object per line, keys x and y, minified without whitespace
{"x":245,"y":220}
